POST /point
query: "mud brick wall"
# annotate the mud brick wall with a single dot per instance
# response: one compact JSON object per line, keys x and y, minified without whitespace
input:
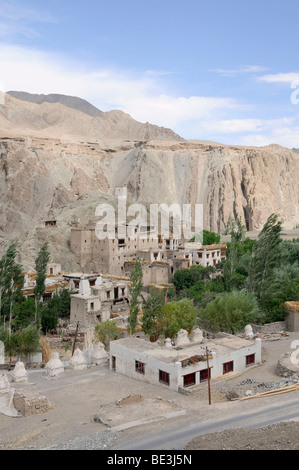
{"x":29,"y":403}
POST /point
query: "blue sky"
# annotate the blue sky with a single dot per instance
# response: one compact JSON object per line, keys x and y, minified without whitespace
{"x":211,"y":70}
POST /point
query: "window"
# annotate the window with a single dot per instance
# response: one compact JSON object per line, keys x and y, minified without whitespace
{"x":91,"y":306}
{"x":204,"y":374}
{"x":228,"y":367}
{"x":139,"y":367}
{"x":164,"y":377}
{"x":250,"y":359}
{"x":189,"y":380}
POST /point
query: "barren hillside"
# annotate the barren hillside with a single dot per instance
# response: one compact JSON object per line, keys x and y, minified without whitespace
{"x":65,"y":177}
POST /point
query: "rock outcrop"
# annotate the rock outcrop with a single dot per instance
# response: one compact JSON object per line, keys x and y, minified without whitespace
{"x":44,"y":178}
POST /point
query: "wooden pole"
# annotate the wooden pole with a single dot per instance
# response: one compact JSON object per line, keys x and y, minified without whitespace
{"x":209,"y":385}
{"x":75,"y":338}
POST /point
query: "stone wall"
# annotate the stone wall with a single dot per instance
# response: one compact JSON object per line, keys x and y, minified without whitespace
{"x":270,"y":327}
{"x":28,"y":402}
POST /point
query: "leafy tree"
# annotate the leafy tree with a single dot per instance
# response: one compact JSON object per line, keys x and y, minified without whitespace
{"x":24,"y":313}
{"x":285,"y":288}
{"x":266,"y":257}
{"x":106,"y":331}
{"x":49,"y":318}
{"x":135,"y":291}
{"x":151,"y":310}
{"x":10,"y":340}
{"x":208,"y":238}
{"x":235,"y":228}
{"x":185,"y":278}
{"x":11,"y":282}
{"x":174,"y":316}
{"x":230,"y":312}
{"x":41,"y":270}
{"x":232,"y":278}
{"x":28,"y":340}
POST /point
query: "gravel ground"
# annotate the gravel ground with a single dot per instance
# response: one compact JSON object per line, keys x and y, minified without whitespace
{"x":280,"y":436}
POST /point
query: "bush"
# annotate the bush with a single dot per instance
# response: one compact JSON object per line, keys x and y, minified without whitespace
{"x":27,"y":340}
{"x":231,"y":312}
{"x":106,"y":331}
{"x":174,"y":316}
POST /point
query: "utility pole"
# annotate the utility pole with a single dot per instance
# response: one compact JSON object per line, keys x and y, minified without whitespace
{"x":77,"y":327}
{"x":209,"y":385}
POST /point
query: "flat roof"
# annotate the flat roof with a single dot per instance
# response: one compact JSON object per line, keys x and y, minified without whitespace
{"x":219,"y":346}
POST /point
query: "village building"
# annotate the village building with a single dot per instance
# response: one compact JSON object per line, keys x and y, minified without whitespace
{"x":108,"y":255}
{"x":203,"y":255}
{"x":95,"y":296}
{"x":54,"y":282}
{"x":156,"y":272}
{"x":54,"y":269}
{"x":184,"y":366}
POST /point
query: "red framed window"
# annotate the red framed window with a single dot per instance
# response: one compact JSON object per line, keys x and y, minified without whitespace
{"x":139,"y":367}
{"x":228,"y":367}
{"x":189,"y":380}
{"x":204,"y":374}
{"x":250,"y":359}
{"x":164,"y":377}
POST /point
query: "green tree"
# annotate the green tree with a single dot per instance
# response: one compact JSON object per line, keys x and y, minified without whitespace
{"x":232,"y":278}
{"x":28,"y":340}
{"x":266,"y":257}
{"x":24,"y":313}
{"x":106,"y":331}
{"x":174,"y":316}
{"x":41,"y":262}
{"x":230,"y":312}
{"x":11,"y":283}
{"x":49,"y":318}
{"x":151,"y":310}
{"x":208,"y":238}
{"x":10,"y":340}
{"x":186,"y":278}
{"x":135,"y":291}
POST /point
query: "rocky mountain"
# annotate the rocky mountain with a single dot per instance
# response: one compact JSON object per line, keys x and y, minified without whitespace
{"x":56,"y":119}
{"x":70,"y":101}
{"x":43,"y":177}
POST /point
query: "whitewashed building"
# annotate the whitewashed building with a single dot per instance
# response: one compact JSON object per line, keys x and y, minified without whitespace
{"x":181,"y":367}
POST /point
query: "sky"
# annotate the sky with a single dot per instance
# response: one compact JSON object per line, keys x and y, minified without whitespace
{"x":226,"y":71}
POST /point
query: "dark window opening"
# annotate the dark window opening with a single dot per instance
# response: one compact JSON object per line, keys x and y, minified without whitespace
{"x":164,"y":377}
{"x":228,"y":367}
{"x":250,"y":359}
{"x":139,"y":367}
{"x":189,"y":380}
{"x":204,"y":374}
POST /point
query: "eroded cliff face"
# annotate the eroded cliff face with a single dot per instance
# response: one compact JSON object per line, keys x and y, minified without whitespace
{"x":44,"y":178}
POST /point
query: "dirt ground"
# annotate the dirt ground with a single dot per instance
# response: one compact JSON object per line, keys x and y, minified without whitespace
{"x":280,"y":436}
{"x":97,"y":409}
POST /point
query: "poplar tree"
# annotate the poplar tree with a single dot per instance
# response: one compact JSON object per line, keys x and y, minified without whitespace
{"x":135,"y":291}
{"x":11,"y":282}
{"x":41,"y":271}
{"x":265,"y":258}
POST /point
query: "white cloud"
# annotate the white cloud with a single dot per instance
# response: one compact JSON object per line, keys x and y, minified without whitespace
{"x":250,"y":69}
{"x":237,"y":126}
{"x":142,"y":95}
{"x":280,"y":77}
